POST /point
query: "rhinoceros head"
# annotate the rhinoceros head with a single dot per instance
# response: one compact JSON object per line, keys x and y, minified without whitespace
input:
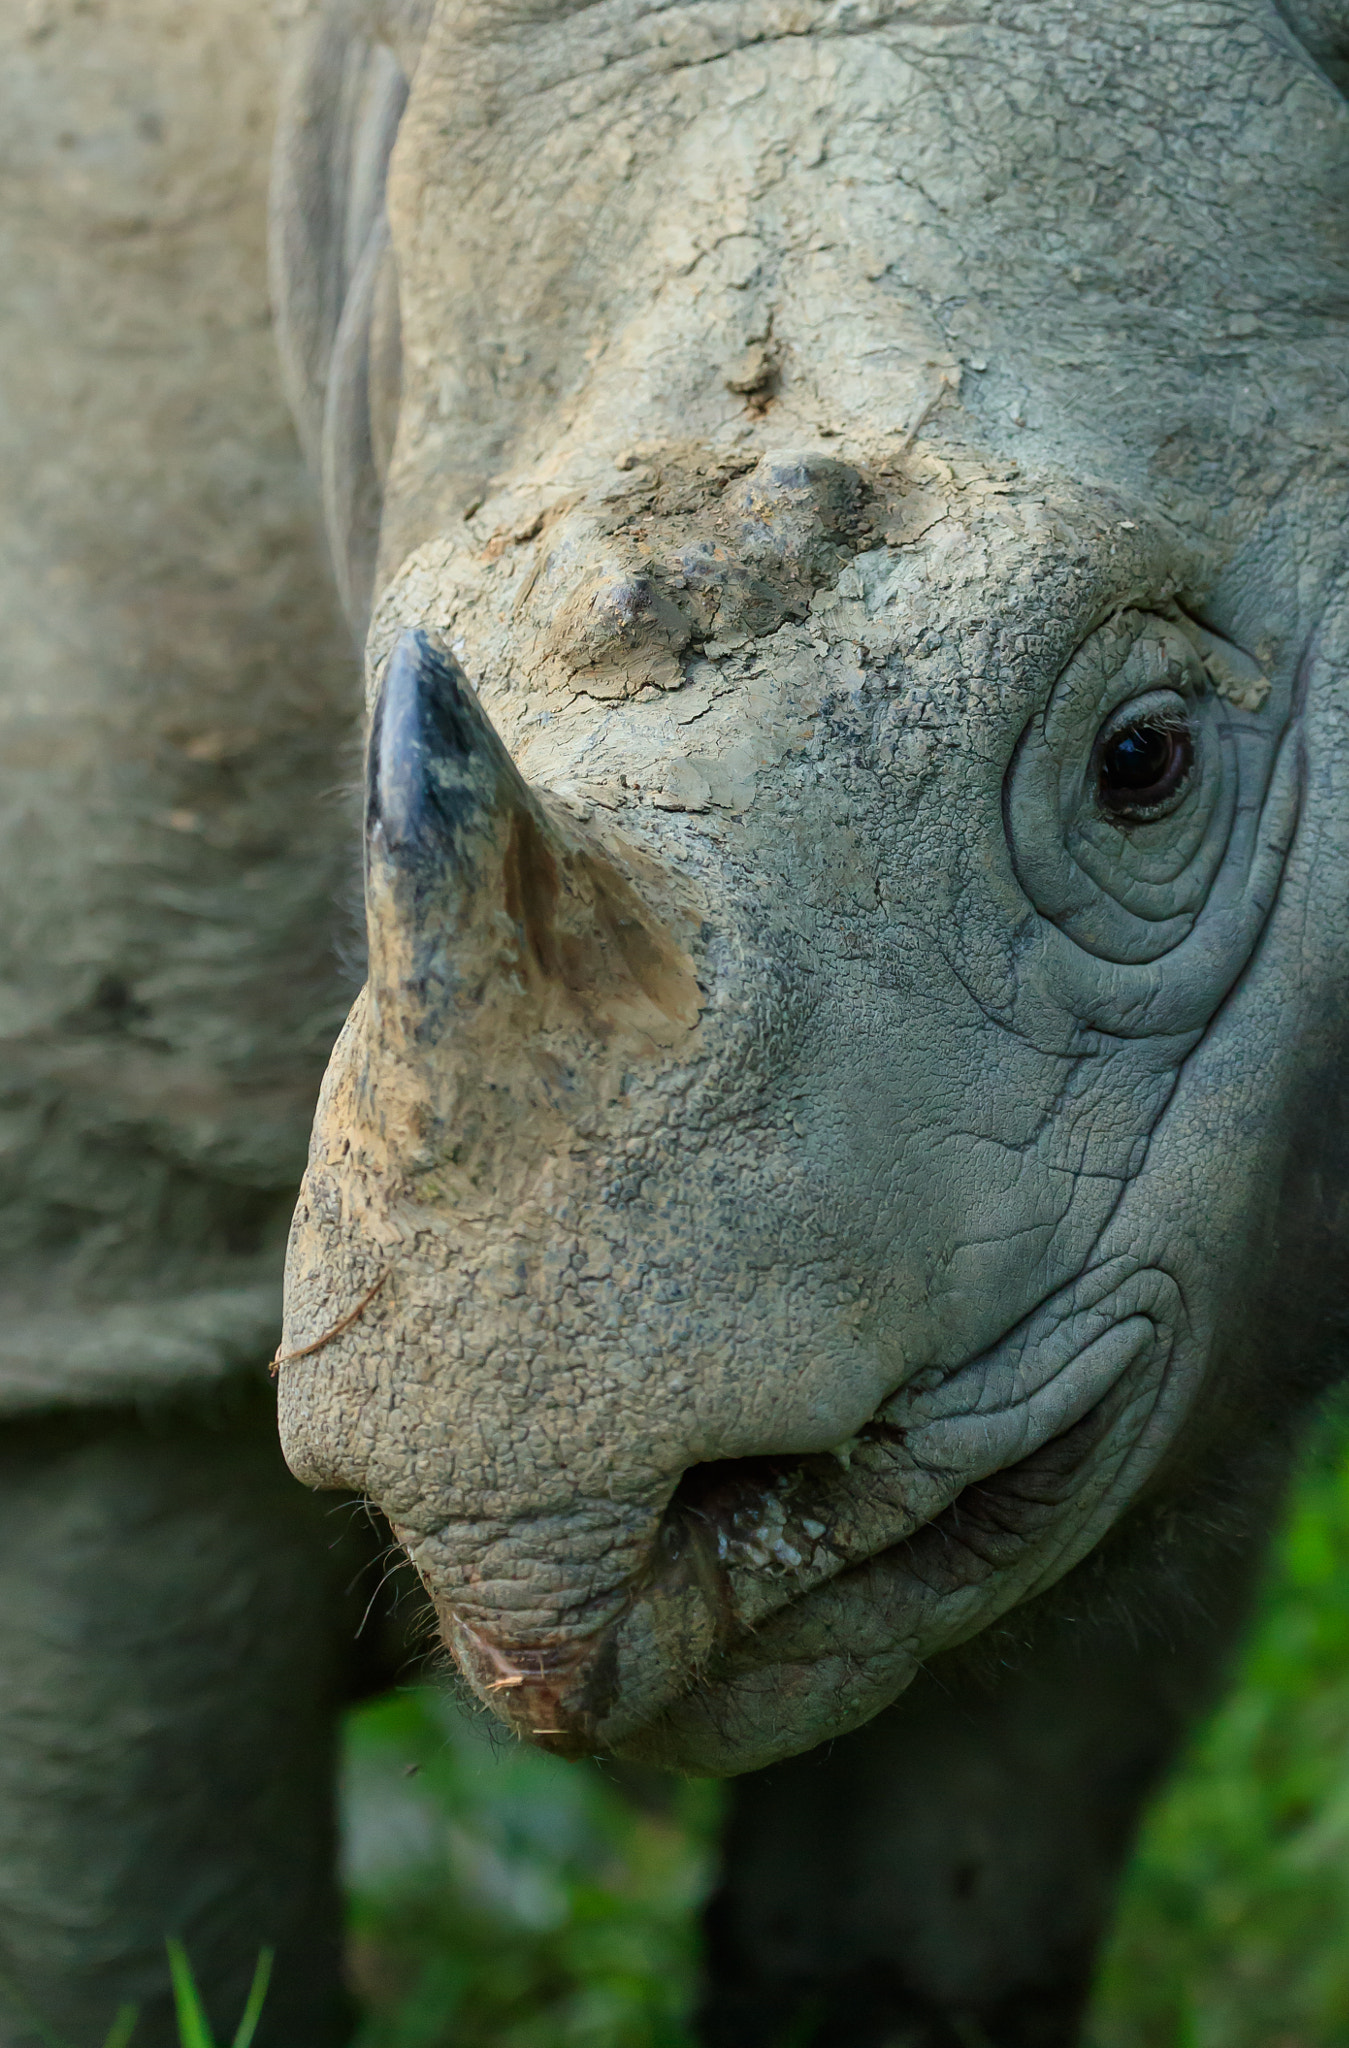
{"x":855,"y":836}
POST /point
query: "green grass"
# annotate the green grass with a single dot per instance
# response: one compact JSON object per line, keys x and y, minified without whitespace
{"x":503,"y":1900}
{"x":194,"y":2029}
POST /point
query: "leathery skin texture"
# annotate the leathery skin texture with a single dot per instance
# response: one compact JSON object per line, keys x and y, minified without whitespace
{"x":816,"y":1115}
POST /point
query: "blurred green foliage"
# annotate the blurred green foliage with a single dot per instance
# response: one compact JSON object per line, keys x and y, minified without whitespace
{"x":1234,"y":1924}
{"x":501,"y":1899}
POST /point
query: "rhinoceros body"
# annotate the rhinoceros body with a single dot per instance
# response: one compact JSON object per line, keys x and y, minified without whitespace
{"x":176,"y":729}
{"x":836,"y":1167}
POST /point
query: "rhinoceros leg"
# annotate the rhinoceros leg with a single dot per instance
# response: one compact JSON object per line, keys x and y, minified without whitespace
{"x":942,"y":1877}
{"x":172,"y":1658}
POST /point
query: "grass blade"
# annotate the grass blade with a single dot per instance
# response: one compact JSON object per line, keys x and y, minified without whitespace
{"x":123,"y":2027}
{"x":194,"y":2029}
{"x":262,"y":1977}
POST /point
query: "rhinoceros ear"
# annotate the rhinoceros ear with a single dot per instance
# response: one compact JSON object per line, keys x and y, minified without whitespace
{"x":333,"y":280}
{"x":481,"y":894}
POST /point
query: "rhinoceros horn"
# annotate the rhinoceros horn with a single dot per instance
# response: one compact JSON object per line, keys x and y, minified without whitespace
{"x":482,"y":891}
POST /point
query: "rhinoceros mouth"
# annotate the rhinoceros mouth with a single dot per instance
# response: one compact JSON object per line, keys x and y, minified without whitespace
{"x":758,"y":1520}
{"x":753,"y":1512}
{"x":990,"y":1470}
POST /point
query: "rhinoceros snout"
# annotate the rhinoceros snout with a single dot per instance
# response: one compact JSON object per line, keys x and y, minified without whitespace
{"x":600,"y":1629}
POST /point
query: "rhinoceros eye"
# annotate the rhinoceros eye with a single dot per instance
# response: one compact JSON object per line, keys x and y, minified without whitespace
{"x":1120,"y":798}
{"x":1143,"y":767}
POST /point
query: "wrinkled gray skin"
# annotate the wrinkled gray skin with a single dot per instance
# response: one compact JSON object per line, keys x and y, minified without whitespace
{"x":814,"y":1167}
{"x":814,"y":1224}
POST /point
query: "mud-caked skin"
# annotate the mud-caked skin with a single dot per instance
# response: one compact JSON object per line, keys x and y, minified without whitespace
{"x":841,"y":1125}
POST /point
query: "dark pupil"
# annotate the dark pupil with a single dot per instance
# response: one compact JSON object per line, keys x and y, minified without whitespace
{"x":1144,"y":765}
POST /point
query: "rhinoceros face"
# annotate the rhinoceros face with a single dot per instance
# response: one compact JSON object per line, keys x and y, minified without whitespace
{"x":819,"y":1110}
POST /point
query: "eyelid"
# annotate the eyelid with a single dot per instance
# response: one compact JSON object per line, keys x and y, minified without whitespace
{"x":1167,"y":708}
{"x":1126,"y":893}
{"x":1157,"y":666}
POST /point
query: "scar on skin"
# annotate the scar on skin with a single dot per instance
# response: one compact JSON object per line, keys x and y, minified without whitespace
{"x":343,"y":1323}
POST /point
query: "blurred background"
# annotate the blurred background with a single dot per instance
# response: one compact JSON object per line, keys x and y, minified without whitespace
{"x":503,"y":1899}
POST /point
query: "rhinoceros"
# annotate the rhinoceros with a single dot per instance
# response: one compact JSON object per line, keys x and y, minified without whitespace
{"x":823,"y":1224}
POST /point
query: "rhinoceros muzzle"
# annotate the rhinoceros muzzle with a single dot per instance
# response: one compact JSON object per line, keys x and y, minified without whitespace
{"x":997,"y":1468}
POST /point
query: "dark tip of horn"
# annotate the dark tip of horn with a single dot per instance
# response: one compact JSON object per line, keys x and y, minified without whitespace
{"x":435,"y":763}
